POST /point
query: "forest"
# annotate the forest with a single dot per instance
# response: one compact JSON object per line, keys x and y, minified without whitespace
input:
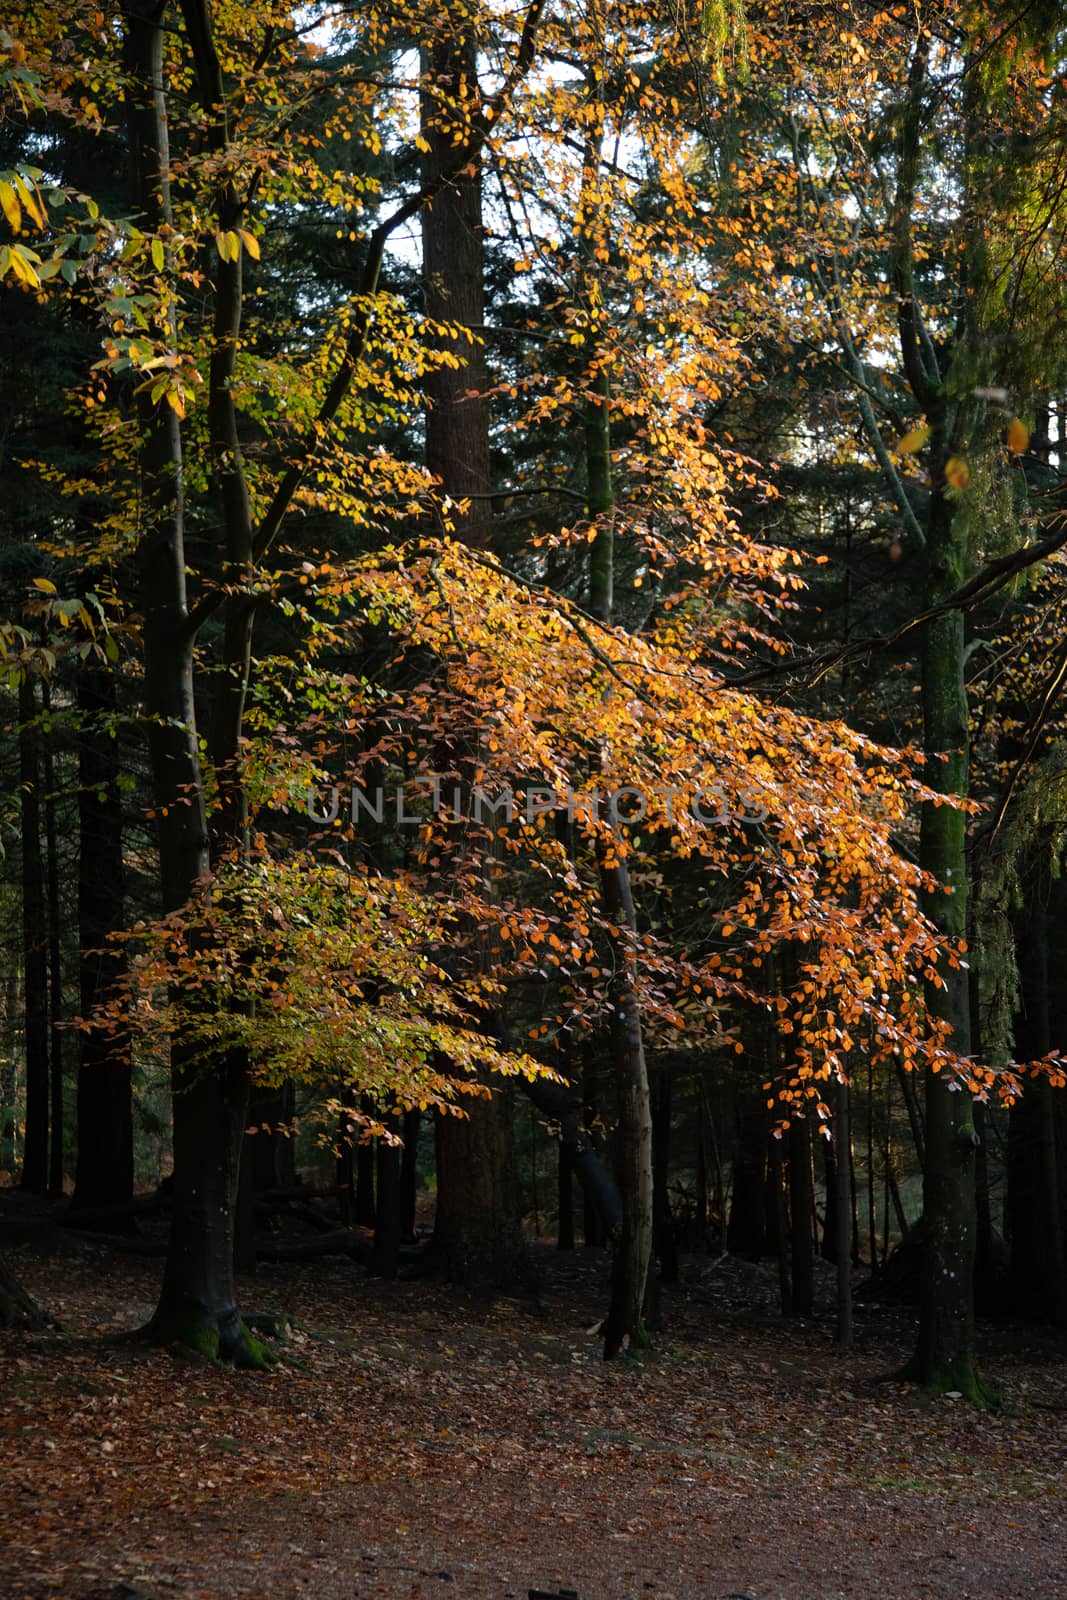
{"x":531,"y":572}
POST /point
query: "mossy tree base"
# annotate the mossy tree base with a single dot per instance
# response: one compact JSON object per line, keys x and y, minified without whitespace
{"x":232,"y":1344}
{"x":954,"y":1377}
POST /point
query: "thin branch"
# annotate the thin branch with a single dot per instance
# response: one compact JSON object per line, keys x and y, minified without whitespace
{"x":975,"y":592}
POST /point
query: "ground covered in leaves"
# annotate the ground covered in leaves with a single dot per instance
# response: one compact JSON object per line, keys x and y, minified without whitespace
{"x":414,"y":1442}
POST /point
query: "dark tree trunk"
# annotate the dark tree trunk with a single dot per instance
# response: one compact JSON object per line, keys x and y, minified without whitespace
{"x":801,"y":1242}
{"x":272,"y":1147}
{"x":843,"y":1213}
{"x":478,"y":1228}
{"x":665,"y":1244}
{"x":363,"y":1159}
{"x":828,"y":1249}
{"x":453,"y":249}
{"x":565,"y":1175}
{"x":778,"y":1224}
{"x":746,"y":1234}
{"x":409,"y":1173}
{"x":56,"y":1032}
{"x":601,"y":1201}
{"x":1032,"y":1212}
{"x":34,"y":946}
{"x":346,"y":1175}
{"x":385,"y":1259}
{"x":633,"y":1243}
{"x":197,"y":1304}
{"x":594,"y":1228}
{"x":477,"y":1238}
{"x":945,"y":1356}
{"x":17,"y":1310}
{"x":104,"y":1170}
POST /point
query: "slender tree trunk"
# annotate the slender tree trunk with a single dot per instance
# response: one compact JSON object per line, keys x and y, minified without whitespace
{"x":363,"y":1158}
{"x":409,"y":1173}
{"x":565,"y":1179}
{"x":828,"y":1250}
{"x":385,"y":1260}
{"x":104,"y":1169}
{"x":8,"y":1071}
{"x":56,"y":1035}
{"x":272,"y":1149}
{"x":778,"y":1218}
{"x":666,"y":1247}
{"x":34,"y":947}
{"x":594,"y":1229}
{"x":843,"y":1214}
{"x":801,"y":1242}
{"x":633,"y":1247}
{"x":746,"y":1234}
{"x":1033,"y":1211}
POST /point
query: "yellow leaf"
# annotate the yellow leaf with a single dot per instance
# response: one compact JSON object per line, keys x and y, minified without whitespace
{"x":24,"y":268}
{"x":45,"y":585}
{"x":157,"y":254}
{"x":912,"y":441}
{"x":957,"y":473}
{"x":176,"y":401}
{"x":1018,"y":436}
{"x":10,"y":206}
{"x":30,"y":202}
{"x":222,"y":245}
{"x":250,"y":242}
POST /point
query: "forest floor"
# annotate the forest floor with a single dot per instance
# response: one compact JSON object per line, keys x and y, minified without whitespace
{"x":417,"y":1443}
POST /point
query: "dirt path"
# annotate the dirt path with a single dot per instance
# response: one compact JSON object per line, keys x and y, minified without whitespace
{"x":425,"y":1446}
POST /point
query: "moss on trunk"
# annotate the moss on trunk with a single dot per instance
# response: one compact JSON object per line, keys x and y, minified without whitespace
{"x":232,"y":1343}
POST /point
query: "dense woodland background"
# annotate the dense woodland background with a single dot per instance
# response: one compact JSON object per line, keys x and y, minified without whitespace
{"x":554,"y":402}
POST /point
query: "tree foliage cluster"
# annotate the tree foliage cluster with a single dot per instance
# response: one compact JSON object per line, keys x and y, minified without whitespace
{"x":609,"y":459}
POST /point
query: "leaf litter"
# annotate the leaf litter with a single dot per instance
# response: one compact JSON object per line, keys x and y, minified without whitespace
{"x":416,"y":1442}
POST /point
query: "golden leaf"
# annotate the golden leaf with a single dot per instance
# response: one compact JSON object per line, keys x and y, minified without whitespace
{"x":957,"y":473}
{"x":1018,"y":436}
{"x":913,"y":441}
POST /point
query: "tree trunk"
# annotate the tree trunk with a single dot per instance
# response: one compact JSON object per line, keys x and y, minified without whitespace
{"x":385,"y":1258}
{"x":409,"y":1173}
{"x":666,"y":1248}
{"x":477,"y":1239}
{"x":104,"y":1170}
{"x":478,"y":1228}
{"x":746,"y":1233}
{"x":565,"y":1179}
{"x":363,"y":1160}
{"x":17,"y":1310}
{"x":801,"y":1242}
{"x":945,"y":1355}
{"x":34,"y":947}
{"x":56,"y":1032}
{"x":197,"y":1304}
{"x":1032,"y":1213}
{"x":843,"y":1214}
{"x":595,"y":1228}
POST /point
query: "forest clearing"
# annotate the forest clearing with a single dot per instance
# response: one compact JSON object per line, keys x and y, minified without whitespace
{"x":422,"y":1444}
